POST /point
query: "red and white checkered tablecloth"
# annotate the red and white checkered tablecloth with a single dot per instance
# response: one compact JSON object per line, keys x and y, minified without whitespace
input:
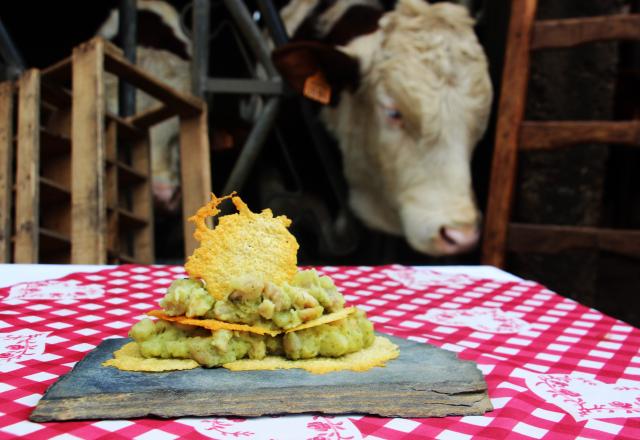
{"x":555,"y":369}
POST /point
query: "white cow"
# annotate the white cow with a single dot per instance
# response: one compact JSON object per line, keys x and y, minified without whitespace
{"x":410,"y":100}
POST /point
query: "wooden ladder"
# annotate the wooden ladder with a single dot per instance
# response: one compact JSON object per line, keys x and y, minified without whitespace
{"x":82,"y":191}
{"x":514,"y":134}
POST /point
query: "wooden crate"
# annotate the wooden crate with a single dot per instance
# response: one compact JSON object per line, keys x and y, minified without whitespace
{"x":83,"y":175}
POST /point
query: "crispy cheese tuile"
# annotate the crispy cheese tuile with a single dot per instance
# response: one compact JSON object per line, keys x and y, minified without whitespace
{"x":324,"y":319}
{"x":214,"y":324}
{"x":128,"y":358}
{"x":244,"y":243}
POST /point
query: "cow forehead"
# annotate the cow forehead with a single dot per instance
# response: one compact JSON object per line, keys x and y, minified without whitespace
{"x":426,"y":28}
{"x":424,"y":56}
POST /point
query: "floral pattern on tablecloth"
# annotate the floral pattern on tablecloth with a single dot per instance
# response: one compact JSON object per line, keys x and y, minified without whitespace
{"x":21,"y":345}
{"x":491,"y":320}
{"x":277,"y":427}
{"x":584,"y":397}
{"x":54,"y":290}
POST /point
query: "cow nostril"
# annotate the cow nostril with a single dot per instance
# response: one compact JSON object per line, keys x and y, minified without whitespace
{"x":446,"y":237}
{"x":459,"y":237}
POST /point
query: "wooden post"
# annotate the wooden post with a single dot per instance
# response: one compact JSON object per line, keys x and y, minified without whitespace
{"x":6,"y":169}
{"x":195,"y":171}
{"x":515,"y":77}
{"x":27,"y":178}
{"x":88,"y":225}
{"x":143,"y":200}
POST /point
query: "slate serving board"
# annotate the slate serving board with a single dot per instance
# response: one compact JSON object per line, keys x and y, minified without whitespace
{"x":424,"y":381}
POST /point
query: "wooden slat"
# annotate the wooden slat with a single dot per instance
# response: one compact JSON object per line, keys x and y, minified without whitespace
{"x":510,"y":114}
{"x":143,"y":202}
{"x":126,"y":259}
{"x":544,"y":135}
{"x":54,"y":247}
{"x":59,"y":71}
{"x":56,"y":217}
{"x":111,"y":145}
{"x":129,"y":174}
{"x":575,"y":31}
{"x":88,"y":228}
{"x":55,"y":235}
{"x":125,"y":128}
{"x":551,"y":239}
{"x":55,"y":148}
{"x":151,"y":117}
{"x":130,"y":220}
{"x":54,"y":144}
{"x":53,"y":192}
{"x":116,"y":63}
{"x":195,"y":171}
{"x":6,"y":169}
{"x":55,"y":94}
{"x":28,"y":159}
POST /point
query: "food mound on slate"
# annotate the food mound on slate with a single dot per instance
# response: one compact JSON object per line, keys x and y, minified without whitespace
{"x":246,"y":306}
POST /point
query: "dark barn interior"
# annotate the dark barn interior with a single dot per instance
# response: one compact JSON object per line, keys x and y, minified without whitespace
{"x":587,"y":185}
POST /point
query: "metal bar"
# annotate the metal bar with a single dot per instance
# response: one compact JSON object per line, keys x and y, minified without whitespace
{"x":11,"y":55}
{"x":127,"y":34}
{"x":252,"y":147}
{"x":274,"y":22}
{"x":252,"y":34}
{"x":200,"y":60}
{"x":240,"y":86}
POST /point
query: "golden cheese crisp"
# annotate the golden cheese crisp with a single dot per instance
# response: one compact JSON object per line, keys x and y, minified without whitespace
{"x":324,"y":319}
{"x":128,"y":358}
{"x":244,"y":243}
{"x":214,"y":324}
{"x":376,"y":355}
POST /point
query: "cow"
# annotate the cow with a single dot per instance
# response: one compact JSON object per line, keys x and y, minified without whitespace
{"x":409,"y":96}
{"x":164,"y":51}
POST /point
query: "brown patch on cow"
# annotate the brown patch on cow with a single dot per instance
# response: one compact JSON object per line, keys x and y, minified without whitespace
{"x":357,"y":21}
{"x":153,"y":32}
{"x":308,"y":30}
{"x":301,"y":60}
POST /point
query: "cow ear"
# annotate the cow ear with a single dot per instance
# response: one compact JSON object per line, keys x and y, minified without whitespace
{"x":301,"y":61}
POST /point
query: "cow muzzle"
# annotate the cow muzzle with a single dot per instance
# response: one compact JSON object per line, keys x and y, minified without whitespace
{"x":456,"y":239}
{"x":442,"y":233}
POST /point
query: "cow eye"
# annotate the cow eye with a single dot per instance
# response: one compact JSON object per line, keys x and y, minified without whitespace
{"x":393,"y":114}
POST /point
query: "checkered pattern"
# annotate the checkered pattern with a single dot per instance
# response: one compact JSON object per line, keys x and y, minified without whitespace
{"x":563,"y":337}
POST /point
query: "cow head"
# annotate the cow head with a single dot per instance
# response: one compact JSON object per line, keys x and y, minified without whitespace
{"x":409,"y":102}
